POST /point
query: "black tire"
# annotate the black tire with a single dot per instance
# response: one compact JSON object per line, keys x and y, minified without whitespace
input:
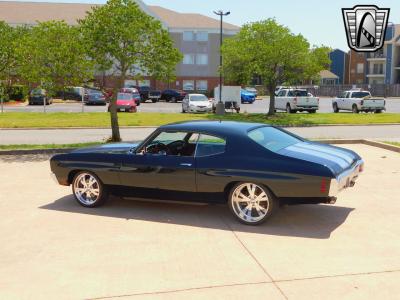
{"x":102,"y":194}
{"x":289,"y":110}
{"x":237,"y":110}
{"x":354,"y":109}
{"x":312,"y":111}
{"x":335,"y":108}
{"x":154,"y":100}
{"x":378,"y":111}
{"x":173,"y":99}
{"x":269,"y":204}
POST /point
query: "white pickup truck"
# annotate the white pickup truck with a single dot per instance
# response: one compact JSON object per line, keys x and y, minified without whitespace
{"x":292,"y":100}
{"x":357,"y":100}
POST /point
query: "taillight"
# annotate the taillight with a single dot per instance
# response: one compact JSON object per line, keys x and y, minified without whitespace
{"x":361,"y":168}
{"x":323,"y":187}
{"x":362,"y":102}
{"x":295,"y":100}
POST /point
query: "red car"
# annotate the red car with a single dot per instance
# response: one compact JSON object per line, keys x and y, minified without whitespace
{"x":134,"y":92}
{"x":126,"y":102}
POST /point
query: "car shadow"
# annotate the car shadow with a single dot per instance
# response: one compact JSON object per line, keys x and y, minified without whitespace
{"x":307,"y":221}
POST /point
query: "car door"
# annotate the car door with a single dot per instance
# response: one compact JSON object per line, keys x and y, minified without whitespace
{"x":160,"y":171}
{"x":210,"y":164}
{"x":279,"y":100}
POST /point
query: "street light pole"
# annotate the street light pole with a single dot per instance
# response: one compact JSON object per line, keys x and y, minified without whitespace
{"x":220,"y":107}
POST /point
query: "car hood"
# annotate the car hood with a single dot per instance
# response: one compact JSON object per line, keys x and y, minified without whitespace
{"x":336,"y":159}
{"x":109,"y":148}
{"x":200,"y":103}
{"x":125,"y":102}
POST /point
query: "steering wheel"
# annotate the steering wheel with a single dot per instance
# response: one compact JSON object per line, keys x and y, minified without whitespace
{"x":157,"y":147}
{"x":176,"y":147}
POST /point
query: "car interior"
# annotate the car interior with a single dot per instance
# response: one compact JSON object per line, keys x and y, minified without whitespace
{"x":184,"y":144}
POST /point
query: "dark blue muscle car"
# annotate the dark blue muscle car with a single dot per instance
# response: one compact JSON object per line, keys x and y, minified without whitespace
{"x":206,"y":161}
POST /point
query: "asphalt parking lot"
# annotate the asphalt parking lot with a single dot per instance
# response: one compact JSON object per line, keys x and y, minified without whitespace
{"x":259,"y":106}
{"x":52,"y":248}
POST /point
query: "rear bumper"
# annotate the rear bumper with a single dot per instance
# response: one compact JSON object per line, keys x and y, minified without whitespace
{"x":346,"y":179}
{"x":366,"y":108}
{"x":306,"y":107}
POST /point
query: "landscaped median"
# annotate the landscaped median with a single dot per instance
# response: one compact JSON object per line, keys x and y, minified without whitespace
{"x":92,"y":120}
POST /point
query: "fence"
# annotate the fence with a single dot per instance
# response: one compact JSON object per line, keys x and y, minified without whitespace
{"x":381,"y":90}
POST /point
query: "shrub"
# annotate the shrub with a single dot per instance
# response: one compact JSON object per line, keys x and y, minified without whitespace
{"x":18,"y":92}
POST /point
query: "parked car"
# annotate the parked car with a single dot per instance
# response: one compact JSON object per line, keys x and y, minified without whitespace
{"x":39,"y":96}
{"x":126,"y":102}
{"x":70,"y":93}
{"x":94,"y":97}
{"x":247,"y":97}
{"x":204,"y":161}
{"x":293,"y":100}
{"x":173,"y":95}
{"x":148,"y":93}
{"x":196,"y":103}
{"x":134,"y":92}
{"x":252,"y":90}
{"x":358,"y":100}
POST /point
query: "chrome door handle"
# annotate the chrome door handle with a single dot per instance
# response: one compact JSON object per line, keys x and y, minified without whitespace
{"x":186,"y":164}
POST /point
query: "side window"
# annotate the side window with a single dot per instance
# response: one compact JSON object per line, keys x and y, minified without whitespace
{"x":291,"y":94}
{"x":282,"y":93}
{"x":210,"y":145}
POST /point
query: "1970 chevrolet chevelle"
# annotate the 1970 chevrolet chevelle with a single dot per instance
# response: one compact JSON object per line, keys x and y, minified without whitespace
{"x":252,"y":167}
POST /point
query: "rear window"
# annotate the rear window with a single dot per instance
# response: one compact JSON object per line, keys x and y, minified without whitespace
{"x":360,"y":94}
{"x":272,"y":138}
{"x":124,"y":96}
{"x":298,"y":93}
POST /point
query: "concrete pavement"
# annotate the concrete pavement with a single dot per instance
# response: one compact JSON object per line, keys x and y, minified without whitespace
{"x":62,"y":136}
{"x":52,"y":248}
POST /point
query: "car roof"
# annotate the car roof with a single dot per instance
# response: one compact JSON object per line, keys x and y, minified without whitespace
{"x":196,"y":94}
{"x":220,"y":128}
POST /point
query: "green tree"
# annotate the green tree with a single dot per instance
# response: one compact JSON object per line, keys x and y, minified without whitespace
{"x":274,"y":53}
{"x":53,"y":55}
{"x":124,"y":40}
{"x":9,"y":38}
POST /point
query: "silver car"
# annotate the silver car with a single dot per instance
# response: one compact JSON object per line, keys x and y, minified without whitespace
{"x":196,"y":103}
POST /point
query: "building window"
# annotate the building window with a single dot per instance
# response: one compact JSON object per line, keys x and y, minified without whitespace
{"x":202,"y":85}
{"x":188,"y":59}
{"x":188,"y":35}
{"x":378,"y":69}
{"x":188,"y":85}
{"x":360,"y":68}
{"x":202,"y":36}
{"x":202,"y":59}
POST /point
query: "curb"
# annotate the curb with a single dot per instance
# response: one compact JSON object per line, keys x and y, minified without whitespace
{"x":328,"y":141}
{"x":149,"y":127}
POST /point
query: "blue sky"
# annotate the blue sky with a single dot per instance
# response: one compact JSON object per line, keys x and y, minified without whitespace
{"x":320,"y":21}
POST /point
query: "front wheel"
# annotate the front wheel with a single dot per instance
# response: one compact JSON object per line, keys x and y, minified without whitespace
{"x":88,"y":189}
{"x":378,"y":111}
{"x":251,"y":203}
{"x":312,"y":111}
{"x":335,"y":108}
{"x":354,"y":109}
{"x":289,"y":110}
{"x":173,"y":99}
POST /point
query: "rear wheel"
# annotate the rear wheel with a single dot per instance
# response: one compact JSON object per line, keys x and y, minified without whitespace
{"x":354,"y":109}
{"x":251,"y":203}
{"x":154,"y":100}
{"x":312,"y":111}
{"x":335,"y":108}
{"x":88,"y":189}
{"x":173,"y":99}
{"x":378,"y":111}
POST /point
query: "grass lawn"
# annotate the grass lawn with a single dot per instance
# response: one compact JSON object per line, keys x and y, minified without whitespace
{"x":393,"y":143}
{"x":46,"y":146}
{"x":30,"y":120}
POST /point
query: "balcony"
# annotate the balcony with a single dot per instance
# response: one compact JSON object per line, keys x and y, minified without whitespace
{"x":377,"y":56}
{"x":376,"y":74}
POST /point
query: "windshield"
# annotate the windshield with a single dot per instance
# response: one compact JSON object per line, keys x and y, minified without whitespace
{"x":37,"y":92}
{"x":124,"y":96}
{"x":272,"y":138}
{"x":360,"y":94}
{"x":198,"y":98}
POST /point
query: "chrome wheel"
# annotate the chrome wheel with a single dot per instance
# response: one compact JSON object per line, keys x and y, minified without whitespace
{"x":250,"y":203}
{"x":86,"y":189}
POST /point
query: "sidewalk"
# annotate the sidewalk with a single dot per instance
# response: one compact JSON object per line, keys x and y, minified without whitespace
{"x":66,"y":136}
